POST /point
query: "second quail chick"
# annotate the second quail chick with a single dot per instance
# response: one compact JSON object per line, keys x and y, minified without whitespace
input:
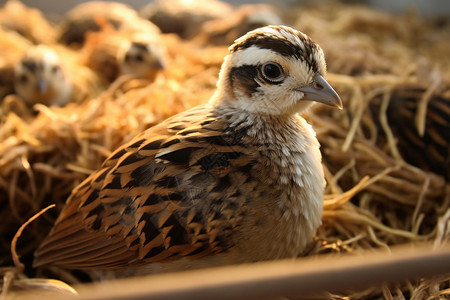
{"x":12,"y":48}
{"x":224,"y":31}
{"x":184,"y":18}
{"x":142,"y":56}
{"x":26,"y":21}
{"x":111,"y":53}
{"x":236,"y":180}
{"x":91,"y":16}
{"x":40,"y":78}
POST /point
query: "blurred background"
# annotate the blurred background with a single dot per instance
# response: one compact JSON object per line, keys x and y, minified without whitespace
{"x":428,"y":8}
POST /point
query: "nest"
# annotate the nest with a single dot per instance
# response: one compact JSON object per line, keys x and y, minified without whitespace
{"x":374,"y":198}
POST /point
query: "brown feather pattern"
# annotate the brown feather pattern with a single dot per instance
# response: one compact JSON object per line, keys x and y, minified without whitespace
{"x":240,"y":177}
{"x":140,"y":205}
{"x":431,"y":151}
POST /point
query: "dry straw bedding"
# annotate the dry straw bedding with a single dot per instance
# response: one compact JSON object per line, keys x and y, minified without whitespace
{"x":374,"y":198}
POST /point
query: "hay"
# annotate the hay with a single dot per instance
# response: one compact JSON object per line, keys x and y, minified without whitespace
{"x":374,"y":198}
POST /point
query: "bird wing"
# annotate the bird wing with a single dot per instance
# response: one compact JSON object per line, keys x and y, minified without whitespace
{"x":429,"y":150}
{"x":155,"y":199}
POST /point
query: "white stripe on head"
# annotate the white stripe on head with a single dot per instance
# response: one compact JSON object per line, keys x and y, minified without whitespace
{"x":254,"y":56}
{"x":303,"y":48}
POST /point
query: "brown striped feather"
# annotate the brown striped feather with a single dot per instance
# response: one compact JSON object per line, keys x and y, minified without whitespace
{"x":141,"y":205}
{"x":432,"y":150}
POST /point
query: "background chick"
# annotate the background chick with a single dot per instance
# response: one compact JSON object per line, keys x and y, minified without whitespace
{"x":28,"y":22}
{"x":54,"y":76}
{"x":223,"y":31}
{"x":184,"y":18}
{"x":93,"y":15}
{"x":40,"y":78}
{"x":111,"y":53}
{"x":12,"y":48}
{"x":142,"y":56}
{"x":114,"y":40}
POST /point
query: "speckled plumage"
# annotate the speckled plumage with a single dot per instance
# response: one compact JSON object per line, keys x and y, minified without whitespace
{"x":236,"y":180}
{"x":431,"y":149}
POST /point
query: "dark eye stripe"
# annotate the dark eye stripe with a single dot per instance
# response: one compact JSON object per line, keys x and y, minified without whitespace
{"x":30,"y":65}
{"x":243,"y":78}
{"x":140,"y":46}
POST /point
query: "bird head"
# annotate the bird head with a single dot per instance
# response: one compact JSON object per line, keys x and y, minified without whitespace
{"x":275,"y":70}
{"x":39,"y":76}
{"x":142,"y":57}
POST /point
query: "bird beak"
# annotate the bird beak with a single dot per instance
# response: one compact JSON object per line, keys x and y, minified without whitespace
{"x":159,"y":64}
{"x":321,"y":91}
{"x":42,"y":86}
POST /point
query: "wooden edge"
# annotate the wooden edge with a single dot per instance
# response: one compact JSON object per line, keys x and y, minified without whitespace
{"x":331,"y":273}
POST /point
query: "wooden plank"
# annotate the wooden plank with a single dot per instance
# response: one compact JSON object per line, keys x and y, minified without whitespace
{"x":330,"y":273}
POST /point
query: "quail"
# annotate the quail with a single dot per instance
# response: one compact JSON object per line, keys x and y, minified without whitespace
{"x":184,"y":18}
{"x":39,"y":77}
{"x":114,"y":40}
{"x":27,"y":21}
{"x":92,"y":15}
{"x":238,"y":179}
{"x":225,"y":30}
{"x":430,"y":150}
{"x":110,"y":54}
{"x":142,"y":56}
{"x":12,"y":49}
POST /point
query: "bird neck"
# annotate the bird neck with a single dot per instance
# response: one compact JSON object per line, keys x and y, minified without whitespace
{"x":263,"y":127}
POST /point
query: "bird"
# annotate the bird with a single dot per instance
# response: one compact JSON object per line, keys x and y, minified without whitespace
{"x":429,"y":150}
{"x":114,"y":40}
{"x":143,"y":56}
{"x":91,"y":16}
{"x":27,"y":21}
{"x":12,"y":48}
{"x":184,"y":18}
{"x":39,"y":77}
{"x":246,"y":17}
{"x":237,"y":179}
{"x":110,"y":54}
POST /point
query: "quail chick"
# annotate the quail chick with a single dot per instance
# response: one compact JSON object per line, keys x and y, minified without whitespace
{"x":141,"y":56}
{"x":238,"y":179}
{"x":28,"y":22}
{"x":111,"y":53}
{"x":184,"y":18}
{"x":91,"y":16}
{"x":40,"y":78}
{"x":114,"y":40}
{"x":12,"y":48}
{"x":225,"y":30}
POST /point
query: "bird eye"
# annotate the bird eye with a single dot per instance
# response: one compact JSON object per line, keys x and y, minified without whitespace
{"x":23,"y":78}
{"x":134,"y":58}
{"x":139,"y":57}
{"x":272,"y":72}
{"x":55,"y":69}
